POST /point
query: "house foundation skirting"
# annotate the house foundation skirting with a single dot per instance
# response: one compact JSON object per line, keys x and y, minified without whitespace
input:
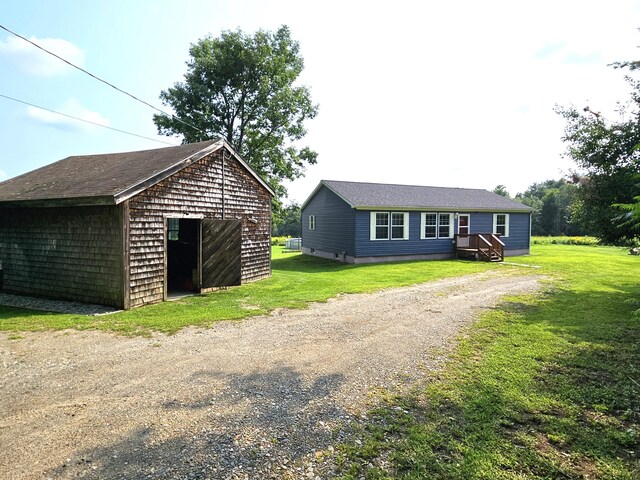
{"x":340,"y":257}
{"x":516,"y":253}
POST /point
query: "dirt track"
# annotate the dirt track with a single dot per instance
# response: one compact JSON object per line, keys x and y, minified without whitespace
{"x":252,"y":399}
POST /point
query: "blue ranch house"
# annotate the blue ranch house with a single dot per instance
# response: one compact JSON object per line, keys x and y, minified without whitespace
{"x":358,"y":222}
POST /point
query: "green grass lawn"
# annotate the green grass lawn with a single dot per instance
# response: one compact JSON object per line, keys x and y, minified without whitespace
{"x":297,"y":280}
{"x":546,"y":386}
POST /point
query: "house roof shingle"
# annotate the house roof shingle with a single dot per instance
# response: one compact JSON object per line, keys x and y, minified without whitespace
{"x":380,"y":195}
{"x":106,"y":178}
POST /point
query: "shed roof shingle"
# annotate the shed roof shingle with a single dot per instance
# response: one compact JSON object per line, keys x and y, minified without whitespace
{"x":106,"y":178}
{"x":382,"y":195}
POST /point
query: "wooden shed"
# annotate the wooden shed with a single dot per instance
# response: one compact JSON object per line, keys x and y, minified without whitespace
{"x":128,"y":229}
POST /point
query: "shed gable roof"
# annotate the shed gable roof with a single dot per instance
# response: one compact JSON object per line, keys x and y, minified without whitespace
{"x":361,"y":195}
{"x":108,"y":178}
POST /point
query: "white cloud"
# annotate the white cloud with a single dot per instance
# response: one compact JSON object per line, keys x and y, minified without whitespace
{"x":72,"y":108}
{"x":3,"y":175}
{"x":34,"y":61}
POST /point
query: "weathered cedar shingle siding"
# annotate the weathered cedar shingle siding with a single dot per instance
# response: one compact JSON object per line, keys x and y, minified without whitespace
{"x":197,"y":189}
{"x":92,"y":228}
{"x":72,"y":253}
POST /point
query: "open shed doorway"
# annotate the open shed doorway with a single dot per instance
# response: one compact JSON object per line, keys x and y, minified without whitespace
{"x":183,"y":247}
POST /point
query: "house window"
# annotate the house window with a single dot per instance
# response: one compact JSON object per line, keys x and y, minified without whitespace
{"x":173,"y":229}
{"x":389,"y":225}
{"x":397,"y":226}
{"x":445,"y":225}
{"x":436,"y":225}
{"x":380,"y":225}
{"x":430,"y":225}
{"x":501,"y":224}
{"x":312,"y":222}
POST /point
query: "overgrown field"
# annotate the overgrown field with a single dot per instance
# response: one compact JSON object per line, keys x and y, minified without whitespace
{"x":564,"y":240}
{"x":546,"y":386}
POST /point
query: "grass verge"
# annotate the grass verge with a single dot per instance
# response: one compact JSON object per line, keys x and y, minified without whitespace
{"x":297,"y":281}
{"x":546,"y":386}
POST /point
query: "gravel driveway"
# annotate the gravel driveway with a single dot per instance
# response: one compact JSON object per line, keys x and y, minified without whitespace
{"x":268,"y":397}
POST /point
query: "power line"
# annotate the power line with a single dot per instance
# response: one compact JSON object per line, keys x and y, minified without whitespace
{"x":86,"y":121}
{"x":100,"y":79}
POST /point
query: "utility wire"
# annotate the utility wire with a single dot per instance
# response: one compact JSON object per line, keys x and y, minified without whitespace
{"x":86,"y":121}
{"x":100,"y":79}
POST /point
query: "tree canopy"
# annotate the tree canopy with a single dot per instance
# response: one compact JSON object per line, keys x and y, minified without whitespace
{"x":501,"y":190}
{"x":286,"y":221}
{"x":555,"y":208}
{"x":242,"y":87}
{"x":608,"y":160}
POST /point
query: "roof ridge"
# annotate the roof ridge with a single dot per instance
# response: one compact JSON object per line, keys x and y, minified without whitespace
{"x":403,"y":185}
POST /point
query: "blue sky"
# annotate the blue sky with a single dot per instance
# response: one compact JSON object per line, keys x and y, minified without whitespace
{"x":457,"y":94}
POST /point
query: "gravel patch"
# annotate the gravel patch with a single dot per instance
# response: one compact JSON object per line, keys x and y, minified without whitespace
{"x":47,"y":305}
{"x":268,"y":397}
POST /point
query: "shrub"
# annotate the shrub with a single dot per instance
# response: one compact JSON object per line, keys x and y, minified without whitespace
{"x":589,"y":241}
{"x":278,"y":241}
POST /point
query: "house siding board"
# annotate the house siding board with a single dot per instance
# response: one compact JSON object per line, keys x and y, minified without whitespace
{"x":335,"y":231}
{"x":66,"y":253}
{"x":480,"y":222}
{"x":519,"y":224}
{"x":413,"y":246}
{"x":198,"y":191}
{"x":519,"y":232}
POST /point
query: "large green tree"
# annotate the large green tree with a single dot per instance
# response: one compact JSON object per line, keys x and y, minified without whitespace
{"x":608,"y":159}
{"x":243,"y":88}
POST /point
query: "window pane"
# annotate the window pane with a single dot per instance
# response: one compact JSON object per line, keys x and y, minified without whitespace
{"x":382,"y":233}
{"x":397,"y":232}
{"x":173,"y":229}
{"x":397,"y":222}
{"x":382,"y":226}
{"x":444,"y":223}
{"x":501,"y":224}
{"x":430,"y":224}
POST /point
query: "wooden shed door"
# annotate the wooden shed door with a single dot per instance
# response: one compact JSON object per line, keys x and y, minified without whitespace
{"x":221,"y":251}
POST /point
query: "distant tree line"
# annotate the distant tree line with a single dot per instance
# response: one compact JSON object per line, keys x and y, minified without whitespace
{"x":285,"y":221}
{"x":556,"y":207}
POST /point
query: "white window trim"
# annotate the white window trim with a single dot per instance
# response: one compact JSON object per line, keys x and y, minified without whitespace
{"x":451,"y":222}
{"x":312,"y":222}
{"x":423,"y":223}
{"x":506,"y":223}
{"x":372,"y":226}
